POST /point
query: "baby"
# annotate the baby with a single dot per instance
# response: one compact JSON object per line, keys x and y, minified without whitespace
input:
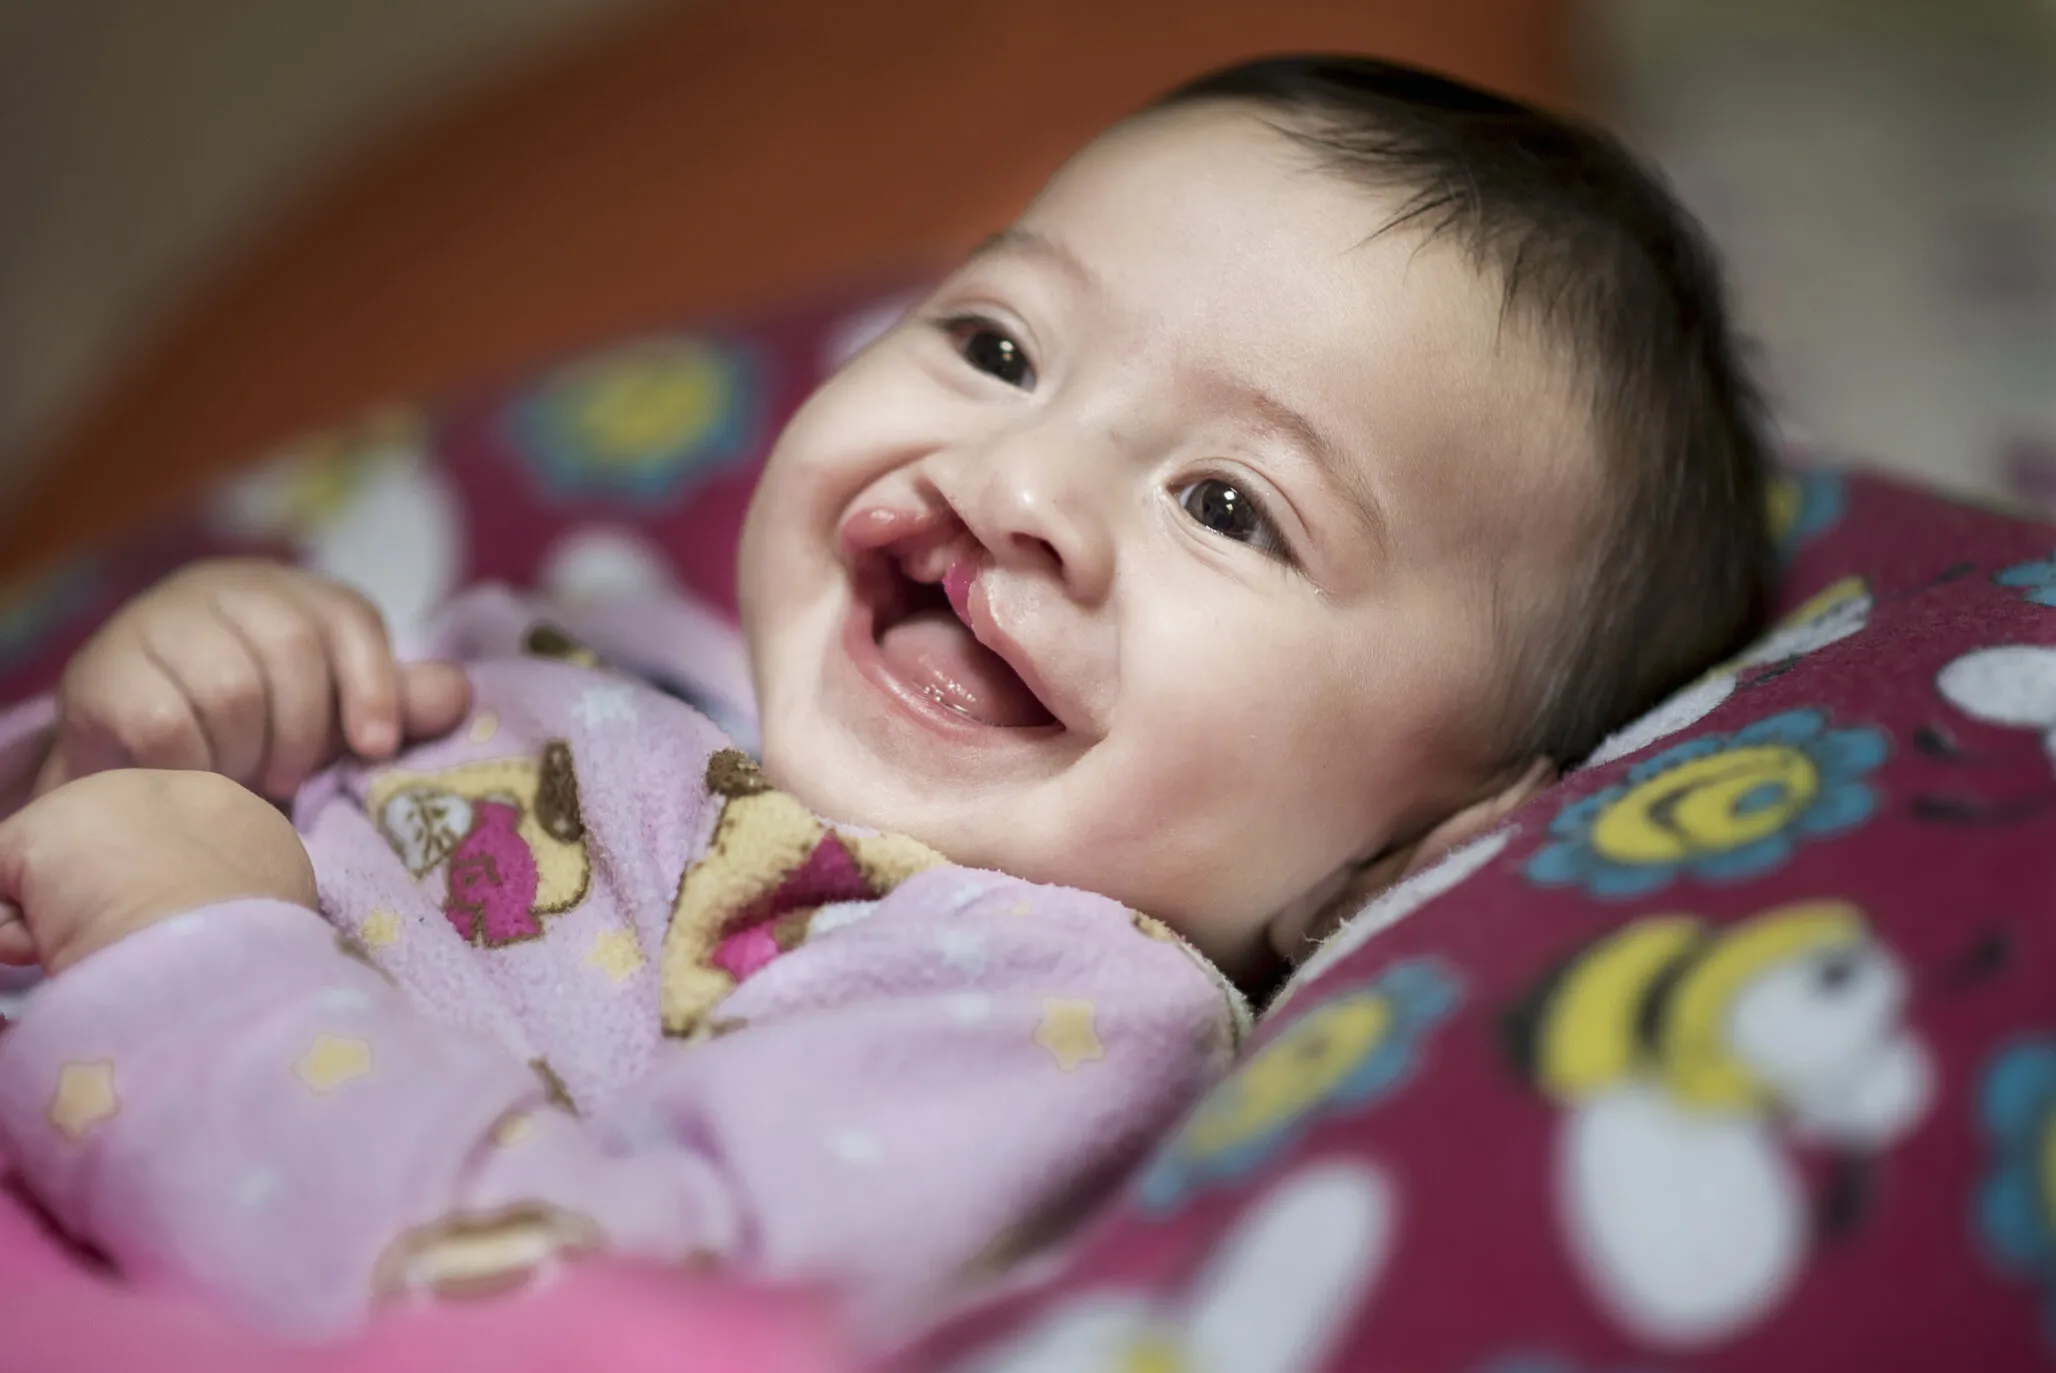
{"x":1326,"y":457}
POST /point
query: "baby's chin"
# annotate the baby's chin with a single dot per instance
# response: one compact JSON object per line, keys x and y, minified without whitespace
{"x":1024,"y":831}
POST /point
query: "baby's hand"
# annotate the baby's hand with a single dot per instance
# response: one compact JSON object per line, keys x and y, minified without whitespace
{"x":98,"y":859}
{"x":260,"y":672}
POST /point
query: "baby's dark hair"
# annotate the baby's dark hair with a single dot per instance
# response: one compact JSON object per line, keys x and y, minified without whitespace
{"x":1590,"y":246}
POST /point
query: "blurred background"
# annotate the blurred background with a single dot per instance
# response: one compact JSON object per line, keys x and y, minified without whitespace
{"x":227,"y":220}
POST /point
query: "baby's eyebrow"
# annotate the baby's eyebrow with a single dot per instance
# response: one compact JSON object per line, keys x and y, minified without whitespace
{"x":1335,"y":465}
{"x":1026,"y":242}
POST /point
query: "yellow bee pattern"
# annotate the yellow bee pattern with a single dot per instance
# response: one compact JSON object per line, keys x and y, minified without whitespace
{"x":1682,"y":1054}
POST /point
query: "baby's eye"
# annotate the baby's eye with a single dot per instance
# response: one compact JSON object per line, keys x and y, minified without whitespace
{"x":988,"y":348}
{"x":1231,"y":513}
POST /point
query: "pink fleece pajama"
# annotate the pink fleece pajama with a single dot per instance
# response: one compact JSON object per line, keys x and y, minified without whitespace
{"x":582,"y":981}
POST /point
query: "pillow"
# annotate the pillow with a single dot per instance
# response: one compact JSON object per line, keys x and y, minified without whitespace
{"x":630,"y":462}
{"x":1736,"y":1050}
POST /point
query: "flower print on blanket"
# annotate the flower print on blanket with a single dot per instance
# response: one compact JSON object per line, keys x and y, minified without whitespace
{"x":1838,"y":611}
{"x":1686,"y":1059}
{"x":641,"y":423}
{"x":1722,"y":807}
{"x":1355,"y":1048}
{"x":2035,"y":580}
{"x":506,"y":835}
{"x":2016,"y":1209}
{"x":1804,"y":504}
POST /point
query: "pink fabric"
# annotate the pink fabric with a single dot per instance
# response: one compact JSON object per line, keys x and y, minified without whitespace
{"x":878,"y":1071}
{"x":523,"y":495}
{"x":615,"y":1316}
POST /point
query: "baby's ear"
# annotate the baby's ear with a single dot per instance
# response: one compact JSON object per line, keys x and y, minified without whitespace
{"x":1295,"y":930}
{"x":1479,"y":818}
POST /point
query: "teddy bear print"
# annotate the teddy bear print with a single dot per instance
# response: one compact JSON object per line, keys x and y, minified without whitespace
{"x":754,"y":894}
{"x":507,"y":834}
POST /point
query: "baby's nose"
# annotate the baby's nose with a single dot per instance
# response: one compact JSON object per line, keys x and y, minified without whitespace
{"x":1042,"y":512}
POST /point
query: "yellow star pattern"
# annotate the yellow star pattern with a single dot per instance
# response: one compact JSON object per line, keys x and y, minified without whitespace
{"x":1021,"y":908}
{"x":84,"y":1097}
{"x":484,"y":726}
{"x":616,"y":953}
{"x":1066,"y":1031}
{"x":380,"y":929}
{"x":331,"y":1061}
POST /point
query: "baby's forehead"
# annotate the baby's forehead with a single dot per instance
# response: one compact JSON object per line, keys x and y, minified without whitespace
{"x":1212,"y":246}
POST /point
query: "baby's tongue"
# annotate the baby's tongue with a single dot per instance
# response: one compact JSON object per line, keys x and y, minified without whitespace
{"x":933,"y":650}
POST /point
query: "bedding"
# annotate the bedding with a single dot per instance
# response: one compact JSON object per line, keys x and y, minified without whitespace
{"x":1733,"y":1051}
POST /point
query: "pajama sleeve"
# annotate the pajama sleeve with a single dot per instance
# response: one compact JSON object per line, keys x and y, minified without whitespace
{"x":228,"y":1103}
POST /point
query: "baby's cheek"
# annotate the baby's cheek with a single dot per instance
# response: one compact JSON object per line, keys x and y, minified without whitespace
{"x":1208,"y":841}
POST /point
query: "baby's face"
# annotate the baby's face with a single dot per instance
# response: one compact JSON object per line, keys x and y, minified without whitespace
{"x":1169,"y":549}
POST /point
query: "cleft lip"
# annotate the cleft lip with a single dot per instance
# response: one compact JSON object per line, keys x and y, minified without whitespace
{"x":956,"y":586}
{"x":882,"y":548}
{"x":904,"y":561}
{"x":964,"y":585}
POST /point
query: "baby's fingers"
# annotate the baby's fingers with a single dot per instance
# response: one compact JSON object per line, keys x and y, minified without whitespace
{"x":292,"y":652}
{"x":367,"y":679}
{"x":221,"y":680}
{"x":122,"y":708}
{"x":434,"y":698}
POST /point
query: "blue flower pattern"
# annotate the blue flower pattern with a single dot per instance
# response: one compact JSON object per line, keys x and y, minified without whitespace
{"x":642,"y":423}
{"x":2016,"y":1210}
{"x":2036,"y":581}
{"x":1760,"y":793}
{"x":1353,"y":1049}
{"x":1806,"y":503}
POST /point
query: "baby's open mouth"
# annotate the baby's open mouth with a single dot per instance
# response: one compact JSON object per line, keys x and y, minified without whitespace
{"x":923,"y":632}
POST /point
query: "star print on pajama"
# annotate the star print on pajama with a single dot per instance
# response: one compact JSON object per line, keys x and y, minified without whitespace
{"x":1066,"y":1031}
{"x":85,"y":1097}
{"x":380,"y":930}
{"x":617,"y":954}
{"x":331,"y":1062}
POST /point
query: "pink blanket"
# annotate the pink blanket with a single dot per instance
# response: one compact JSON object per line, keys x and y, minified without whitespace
{"x":57,"y":1315}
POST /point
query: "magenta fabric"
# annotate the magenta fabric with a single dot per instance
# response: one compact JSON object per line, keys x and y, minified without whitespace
{"x":1737,"y":1052}
{"x":646,"y":448}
